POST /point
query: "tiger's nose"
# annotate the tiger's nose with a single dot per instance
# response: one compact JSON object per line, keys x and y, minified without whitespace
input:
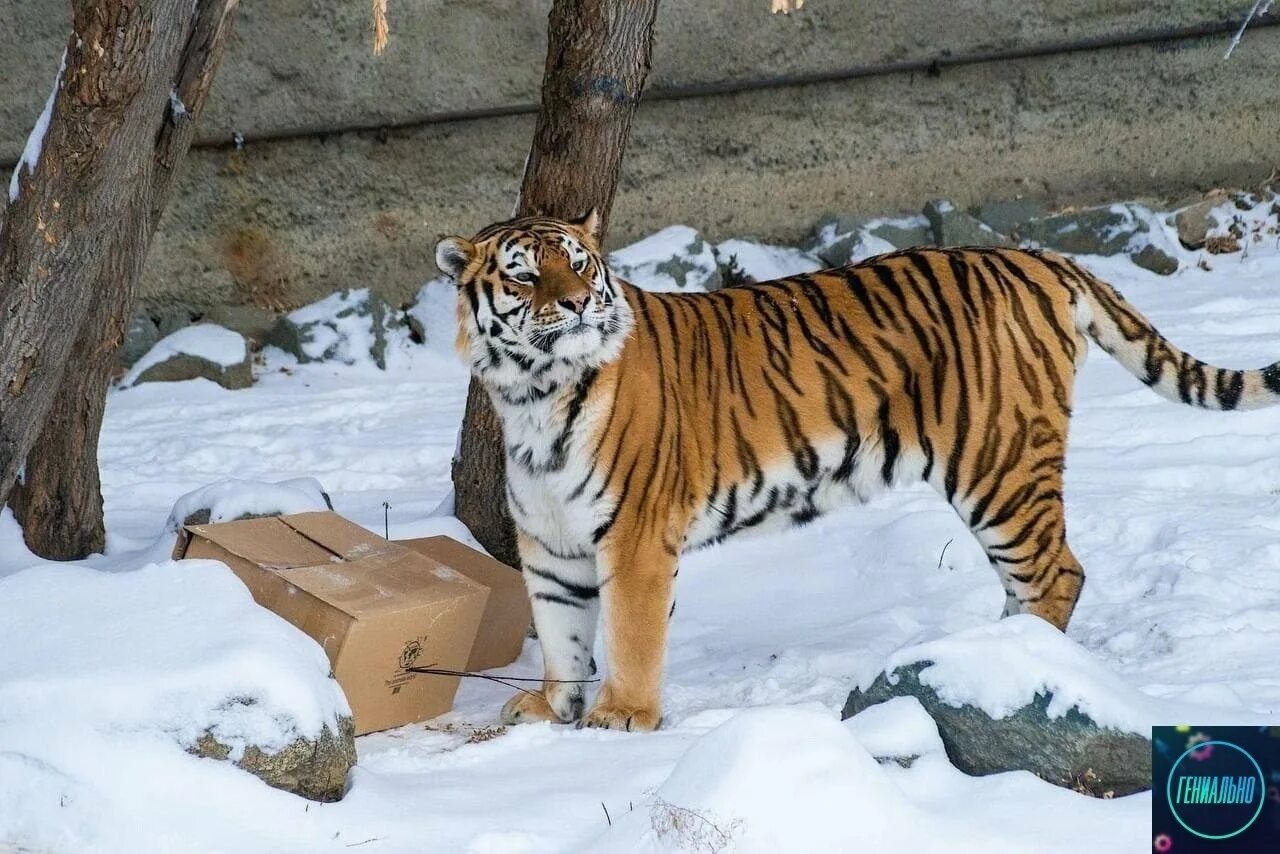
{"x":576,"y":303}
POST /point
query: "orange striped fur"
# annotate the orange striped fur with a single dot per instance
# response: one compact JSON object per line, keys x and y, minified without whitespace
{"x":640,"y":425}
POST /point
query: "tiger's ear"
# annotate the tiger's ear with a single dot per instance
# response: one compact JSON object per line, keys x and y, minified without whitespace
{"x":590,"y":223}
{"x":453,"y":254}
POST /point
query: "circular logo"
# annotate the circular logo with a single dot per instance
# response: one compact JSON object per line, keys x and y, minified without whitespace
{"x":1215,"y":790}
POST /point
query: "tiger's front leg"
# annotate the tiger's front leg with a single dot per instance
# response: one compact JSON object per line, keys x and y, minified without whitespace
{"x":636,"y":586}
{"x":566,"y":607}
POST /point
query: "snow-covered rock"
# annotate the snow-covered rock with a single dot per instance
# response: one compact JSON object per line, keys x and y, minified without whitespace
{"x":761,"y":262}
{"x":350,"y":327}
{"x":838,"y":240}
{"x":202,"y":351}
{"x":1020,"y":695}
{"x":112,"y":681}
{"x":898,"y":729}
{"x":674,"y":259}
{"x":1129,"y":229}
{"x":230,"y":499}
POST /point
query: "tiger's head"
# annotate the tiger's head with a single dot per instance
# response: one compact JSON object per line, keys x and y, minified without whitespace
{"x":534,"y":294}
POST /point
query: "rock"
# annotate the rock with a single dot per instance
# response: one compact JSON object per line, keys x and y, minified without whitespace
{"x":1005,"y":216}
{"x":1094,"y":231}
{"x":349,"y":326}
{"x":170,"y":320}
{"x":903,"y":233}
{"x":1195,"y":221}
{"x":313,"y":768}
{"x":1070,"y":751}
{"x":1153,"y":258}
{"x":677,"y":258}
{"x":201,"y":351}
{"x":140,"y":337}
{"x":839,"y":239}
{"x":951,"y":226}
{"x":250,"y":321}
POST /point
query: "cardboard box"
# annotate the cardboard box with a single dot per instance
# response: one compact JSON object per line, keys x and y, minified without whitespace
{"x":373,"y":606}
{"x":506,"y":615}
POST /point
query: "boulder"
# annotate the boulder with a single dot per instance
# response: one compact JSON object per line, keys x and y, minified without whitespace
{"x":840,"y":239}
{"x":677,"y":258}
{"x":350,"y":327}
{"x":315,"y":768}
{"x":1196,"y":220}
{"x":1153,"y":258}
{"x":903,"y":233}
{"x":140,"y":337}
{"x":951,"y":226}
{"x":1069,"y":750}
{"x":194,"y":352}
{"x":1005,"y":216}
{"x":1094,"y":231}
{"x":250,"y":321}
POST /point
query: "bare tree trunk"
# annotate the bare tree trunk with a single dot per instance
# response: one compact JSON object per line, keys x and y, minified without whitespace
{"x":60,"y":501}
{"x":597,"y":61}
{"x":97,"y":153}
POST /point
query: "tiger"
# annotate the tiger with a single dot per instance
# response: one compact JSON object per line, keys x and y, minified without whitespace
{"x":638,"y":426}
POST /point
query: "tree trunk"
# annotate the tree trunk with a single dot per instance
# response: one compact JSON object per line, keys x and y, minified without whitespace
{"x":60,"y":501}
{"x":597,"y":61}
{"x":97,"y":153}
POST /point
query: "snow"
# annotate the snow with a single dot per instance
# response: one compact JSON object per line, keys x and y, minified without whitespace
{"x":232,"y":498}
{"x":35,"y":140}
{"x":763,"y":262}
{"x":1172,"y":511}
{"x":203,"y":340}
{"x":899,"y":727}
{"x":109,"y":677}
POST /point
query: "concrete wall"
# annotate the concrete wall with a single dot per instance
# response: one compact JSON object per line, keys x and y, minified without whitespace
{"x":317,"y":200}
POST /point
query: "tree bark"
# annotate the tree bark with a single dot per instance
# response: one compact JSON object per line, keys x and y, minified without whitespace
{"x":59,"y":504}
{"x":597,"y":61}
{"x":97,"y":153}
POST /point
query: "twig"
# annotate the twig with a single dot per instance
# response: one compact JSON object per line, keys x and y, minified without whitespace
{"x":501,"y":680}
{"x":1260,"y":7}
{"x":944,"y":551}
{"x":366,"y":842}
{"x":606,"y":813}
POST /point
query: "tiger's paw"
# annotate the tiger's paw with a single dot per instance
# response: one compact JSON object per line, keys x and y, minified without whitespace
{"x":525,"y":708}
{"x":617,"y":716}
{"x":564,"y":707}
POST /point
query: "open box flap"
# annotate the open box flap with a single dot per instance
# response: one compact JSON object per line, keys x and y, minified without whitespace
{"x":339,"y":562}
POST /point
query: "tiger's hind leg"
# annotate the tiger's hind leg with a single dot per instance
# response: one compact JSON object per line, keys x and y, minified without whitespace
{"x":1026,"y":544}
{"x":1014,"y":508}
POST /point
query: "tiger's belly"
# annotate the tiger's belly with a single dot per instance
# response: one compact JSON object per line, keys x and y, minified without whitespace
{"x":781,"y":495}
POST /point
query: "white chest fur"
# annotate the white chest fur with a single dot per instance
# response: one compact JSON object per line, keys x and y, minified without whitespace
{"x":554,"y":493}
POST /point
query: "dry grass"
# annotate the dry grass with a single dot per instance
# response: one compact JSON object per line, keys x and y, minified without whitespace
{"x":691,"y":830}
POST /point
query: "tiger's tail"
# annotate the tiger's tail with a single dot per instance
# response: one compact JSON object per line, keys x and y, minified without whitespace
{"x":1121,"y":330}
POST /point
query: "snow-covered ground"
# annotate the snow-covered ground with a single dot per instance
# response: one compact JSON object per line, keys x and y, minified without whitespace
{"x":1175,"y":514}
